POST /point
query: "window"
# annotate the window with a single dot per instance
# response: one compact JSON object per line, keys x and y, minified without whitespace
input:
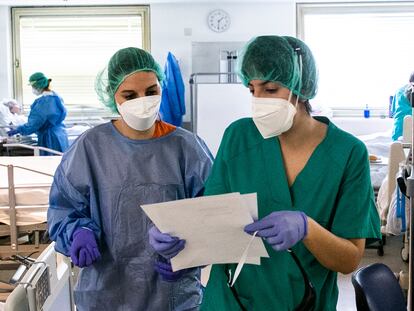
{"x":364,"y":52}
{"x":71,"y":45}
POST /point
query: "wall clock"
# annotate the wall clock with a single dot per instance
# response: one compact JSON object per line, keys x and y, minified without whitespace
{"x":218,"y":20}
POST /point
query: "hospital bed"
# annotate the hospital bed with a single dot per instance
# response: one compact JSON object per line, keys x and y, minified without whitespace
{"x":398,"y":158}
{"x":386,"y":194}
{"x":36,"y":149}
{"x":10,"y":146}
{"x":379,"y":144}
{"x":47,"y":285}
{"x":27,"y":145}
{"x":24,"y":198}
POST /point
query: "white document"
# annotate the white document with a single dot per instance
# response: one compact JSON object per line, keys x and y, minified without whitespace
{"x":212,"y":227}
{"x":250,"y":201}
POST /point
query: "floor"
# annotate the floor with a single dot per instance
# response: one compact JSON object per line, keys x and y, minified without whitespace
{"x":392,"y":258}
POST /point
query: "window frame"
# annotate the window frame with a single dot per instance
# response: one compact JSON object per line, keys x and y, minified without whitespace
{"x":303,"y":8}
{"x":309,"y":8}
{"x":18,"y":12}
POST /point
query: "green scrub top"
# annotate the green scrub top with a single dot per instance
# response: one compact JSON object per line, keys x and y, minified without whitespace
{"x":334,"y":188}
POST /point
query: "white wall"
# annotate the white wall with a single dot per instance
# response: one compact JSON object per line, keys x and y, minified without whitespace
{"x":6,"y":82}
{"x":168,"y":21}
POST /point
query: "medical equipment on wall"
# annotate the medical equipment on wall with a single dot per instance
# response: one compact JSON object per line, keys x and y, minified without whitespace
{"x":222,"y":102}
{"x":47,"y":285}
{"x":228,"y":61}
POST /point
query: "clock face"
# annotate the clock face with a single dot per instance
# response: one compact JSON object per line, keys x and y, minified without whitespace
{"x":218,"y":20}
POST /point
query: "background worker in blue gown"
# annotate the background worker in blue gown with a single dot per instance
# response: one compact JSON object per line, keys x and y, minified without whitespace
{"x":104,"y":177}
{"x":46,"y":116}
{"x":401,"y":107}
{"x":312,"y":182}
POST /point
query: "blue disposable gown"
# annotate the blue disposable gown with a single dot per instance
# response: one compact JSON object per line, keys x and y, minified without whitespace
{"x":400,"y":107}
{"x":100,"y":184}
{"x":173,"y":100}
{"x":45,"y":119}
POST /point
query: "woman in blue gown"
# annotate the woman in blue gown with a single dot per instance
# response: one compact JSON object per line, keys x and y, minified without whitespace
{"x":46,"y":116}
{"x":104,"y":177}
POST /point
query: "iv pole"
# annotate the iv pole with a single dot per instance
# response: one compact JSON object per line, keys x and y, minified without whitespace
{"x":410,"y":193}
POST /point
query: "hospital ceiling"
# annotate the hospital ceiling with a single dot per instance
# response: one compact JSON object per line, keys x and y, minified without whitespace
{"x":122,"y":2}
{"x":137,"y":2}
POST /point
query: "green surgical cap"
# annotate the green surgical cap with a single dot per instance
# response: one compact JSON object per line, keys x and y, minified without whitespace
{"x":39,"y":81}
{"x":277,"y":59}
{"x":121,"y":65}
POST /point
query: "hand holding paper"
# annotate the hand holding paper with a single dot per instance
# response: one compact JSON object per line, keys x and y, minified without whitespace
{"x":282,"y":229}
{"x":211,"y":226}
{"x":164,"y":269}
{"x":165,"y":244}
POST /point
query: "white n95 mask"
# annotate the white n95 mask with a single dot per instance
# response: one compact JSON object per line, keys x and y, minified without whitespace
{"x":36,"y":92}
{"x":140,"y":113}
{"x":272,"y":116}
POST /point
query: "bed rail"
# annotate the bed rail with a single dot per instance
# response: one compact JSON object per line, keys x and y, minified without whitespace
{"x":13,"y":229}
{"x":36,"y":149}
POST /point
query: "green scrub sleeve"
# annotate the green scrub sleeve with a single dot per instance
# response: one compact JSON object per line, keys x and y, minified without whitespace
{"x":356,"y":215}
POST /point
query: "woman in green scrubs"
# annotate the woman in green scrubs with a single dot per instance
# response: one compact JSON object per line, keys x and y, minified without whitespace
{"x":312,"y":182}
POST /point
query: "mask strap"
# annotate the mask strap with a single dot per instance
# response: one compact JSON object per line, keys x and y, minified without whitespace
{"x":299,"y":55}
{"x":242,"y":261}
{"x":290,"y":96}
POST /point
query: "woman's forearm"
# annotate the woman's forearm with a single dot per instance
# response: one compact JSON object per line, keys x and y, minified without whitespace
{"x":335,"y":253}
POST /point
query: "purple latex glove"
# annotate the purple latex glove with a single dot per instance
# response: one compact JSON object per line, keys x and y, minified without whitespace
{"x":84,"y":249}
{"x":164,"y":244}
{"x":164,"y":268}
{"x":281,"y":229}
{"x":13,"y":132}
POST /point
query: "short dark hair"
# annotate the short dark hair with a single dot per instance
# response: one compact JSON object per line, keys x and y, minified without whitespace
{"x":308,"y":107}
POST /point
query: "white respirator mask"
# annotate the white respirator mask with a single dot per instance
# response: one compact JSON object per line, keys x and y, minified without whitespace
{"x":140,"y":113}
{"x":36,"y":91}
{"x":273,"y":116}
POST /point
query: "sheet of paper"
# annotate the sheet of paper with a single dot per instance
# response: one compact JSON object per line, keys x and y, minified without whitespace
{"x":212,"y":227}
{"x":250,"y":200}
